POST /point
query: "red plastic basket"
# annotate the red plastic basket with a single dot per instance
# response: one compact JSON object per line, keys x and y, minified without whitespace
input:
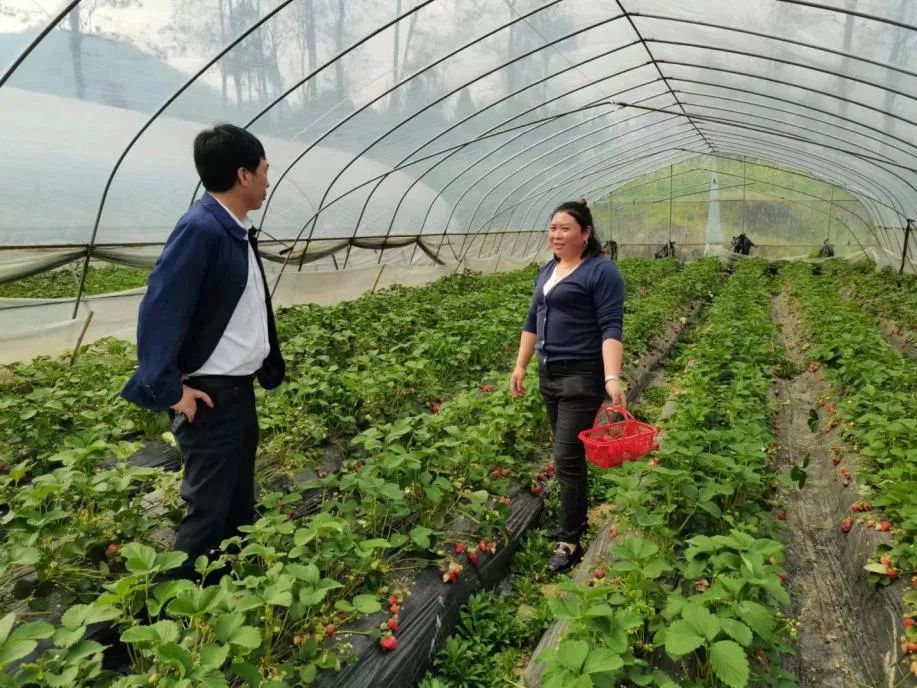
{"x":611,"y":444}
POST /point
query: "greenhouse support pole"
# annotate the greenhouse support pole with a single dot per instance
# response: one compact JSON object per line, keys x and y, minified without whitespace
{"x":907,"y":238}
{"x":611,"y":216}
{"x":79,"y":340}
{"x":670,"y":204}
{"x":830,"y":215}
{"x":744,"y":186}
{"x":82,"y":287}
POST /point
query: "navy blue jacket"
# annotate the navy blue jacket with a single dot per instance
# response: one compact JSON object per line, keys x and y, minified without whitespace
{"x":191,"y":295}
{"x":581,"y":311}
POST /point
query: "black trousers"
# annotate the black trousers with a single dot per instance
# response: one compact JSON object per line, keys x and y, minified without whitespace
{"x":573,"y":392}
{"x":218,"y":484}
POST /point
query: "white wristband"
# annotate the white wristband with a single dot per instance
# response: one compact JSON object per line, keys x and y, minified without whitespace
{"x":609,"y":378}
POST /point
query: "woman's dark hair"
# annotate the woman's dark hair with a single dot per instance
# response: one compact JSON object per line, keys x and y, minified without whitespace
{"x":221,"y":151}
{"x":583,"y":217}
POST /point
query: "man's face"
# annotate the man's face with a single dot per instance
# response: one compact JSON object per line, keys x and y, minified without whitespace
{"x":255,"y":184}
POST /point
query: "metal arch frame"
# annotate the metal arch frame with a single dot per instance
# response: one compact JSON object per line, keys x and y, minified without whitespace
{"x":710,"y":107}
{"x":867,"y":204}
{"x":789,"y":62}
{"x":171,"y":99}
{"x":533,"y":197}
{"x":530,"y":162}
{"x":868,"y":159}
{"x":715,"y":155}
{"x":652,"y":57}
{"x":751,"y":145}
{"x":634,"y":147}
{"x":879,"y":158}
{"x":834,"y":10}
{"x":830,"y":167}
{"x":637,"y":144}
{"x":639,"y":148}
{"x":805,"y":106}
{"x":341,"y":55}
{"x":567,"y":182}
{"x":516,"y":116}
{"x":438,"y":100}
{"x":861,"y":178}
{"x":780,"y":60}
{"x":393,"y":88}
{"x":778,"y":196}
{"x":797,"y":173}
{"x":829,"y":170}
{"x":801,"y":115}
{"x":501,"y":100}
{"x":854,"y":13}
{"x":613,"y":166}
{"x":512,"y":157}
{"x":522,"y":152}
{"x":442,"y":151}
{"x":781,"y":39}
{"x":831,"y":204}
{"x":49,"y":27}
{"x":568,"y":190}
{"x":764,"y":130}
{"x":772,"y":80}
{"x":859,"y":156}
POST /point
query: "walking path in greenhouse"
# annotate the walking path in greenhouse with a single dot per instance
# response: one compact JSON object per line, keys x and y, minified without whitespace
{"x":356,"y":204}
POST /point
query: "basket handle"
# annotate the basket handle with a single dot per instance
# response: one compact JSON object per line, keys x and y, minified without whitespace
{"x":608,"y":409}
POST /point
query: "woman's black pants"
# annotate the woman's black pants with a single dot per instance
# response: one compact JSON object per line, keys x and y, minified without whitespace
{"x":573,"y":392}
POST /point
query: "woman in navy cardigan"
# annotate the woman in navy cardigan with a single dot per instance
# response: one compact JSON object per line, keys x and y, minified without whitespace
{"x":574,"y":325}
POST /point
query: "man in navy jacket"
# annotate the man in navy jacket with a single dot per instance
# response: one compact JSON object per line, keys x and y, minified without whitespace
{"x":204,"y":332}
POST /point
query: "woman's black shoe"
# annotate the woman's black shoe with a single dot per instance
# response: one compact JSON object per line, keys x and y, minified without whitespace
{"x":565,"y":557}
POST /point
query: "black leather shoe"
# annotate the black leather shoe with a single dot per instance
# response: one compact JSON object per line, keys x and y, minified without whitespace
{"x":565,"y":557}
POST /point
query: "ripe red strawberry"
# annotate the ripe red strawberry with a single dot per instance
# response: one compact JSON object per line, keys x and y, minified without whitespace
{"x":473,"y":558}
{"x":434,"y":408}
{"x":330,"y":630}
{"x":459,"y":548}
{"x":536,"y":490}
{"x":885,"y":526}
{"x":392,"y":625}
{"x":835,"y":460}
{"x":389,"y":643}
{"x":614,"y":533}
{"x":505,"y":501}
{"x":111,"y":550}
{"x":846,"y":525}
{"x":909,"y":622}
{"x":600,"y":574}
{"x":780,"y":515}
{"x":891,"y":573}
{"x":393,"y":600}
{"x":886,"y":560}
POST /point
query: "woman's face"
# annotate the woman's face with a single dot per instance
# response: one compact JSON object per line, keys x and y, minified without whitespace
{"x":565,"y":237}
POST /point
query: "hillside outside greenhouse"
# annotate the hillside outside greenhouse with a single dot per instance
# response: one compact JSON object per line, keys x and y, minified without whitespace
{"x":458,"y":343}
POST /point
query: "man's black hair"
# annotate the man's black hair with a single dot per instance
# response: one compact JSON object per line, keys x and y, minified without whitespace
{"x":221,"y":151}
